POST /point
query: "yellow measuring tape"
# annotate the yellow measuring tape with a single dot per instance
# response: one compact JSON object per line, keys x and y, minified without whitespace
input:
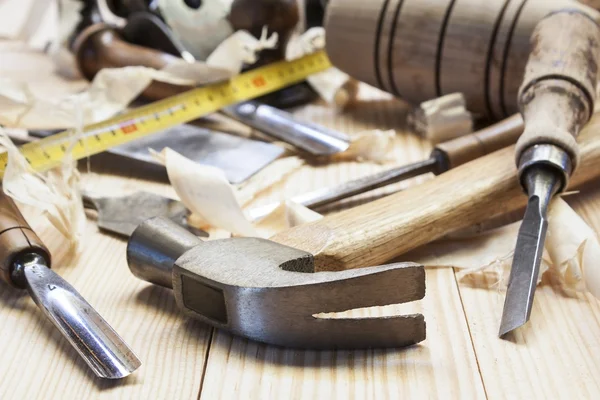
{"x":47,"y":153}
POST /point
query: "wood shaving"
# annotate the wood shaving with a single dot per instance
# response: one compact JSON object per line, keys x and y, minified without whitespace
{"x":218,"y":206}
{"x":56,"y":193}
{"x":113,"y":89}
{"x":267,"y":178}
{"x":442,"y":119}
{"x":573,"y":248}
{"x":240,"y":49}
{"x":332,"y":85}
{"x":205,"y":191}
{"x":200,"y":30}
{"x":287,"y":215}
{"x":110,"y":92}
{"x":375,"y":146}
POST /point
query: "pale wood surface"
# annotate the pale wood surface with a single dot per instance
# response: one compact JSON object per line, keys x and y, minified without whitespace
{"x":557,"y":356}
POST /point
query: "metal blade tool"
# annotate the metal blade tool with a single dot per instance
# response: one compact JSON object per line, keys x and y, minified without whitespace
{"x":556,"y":100}
{"x":121,"y":215}
{"x":25,"y":264}
{"x":444,"y":157}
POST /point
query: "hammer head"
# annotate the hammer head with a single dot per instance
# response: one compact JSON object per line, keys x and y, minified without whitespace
{"x":269,"y":292}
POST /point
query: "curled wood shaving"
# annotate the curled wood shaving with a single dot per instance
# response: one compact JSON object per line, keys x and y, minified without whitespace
{"x":442,"y":119}
{"x":239,"y":49}
{"x":113,"y":89}
{"x":375,"y":146}
{"x":267,"y":178}
{"x":206,"y":192}
{"x":573,"y":249}
{"x":200,"y":29}
{"x":287,"y":215}
{"x":218,"y":206}
{"x":56,"y":193}
{"x":110,"y":92}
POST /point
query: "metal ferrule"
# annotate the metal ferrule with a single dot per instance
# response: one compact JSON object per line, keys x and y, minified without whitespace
{"x":547,"y":155}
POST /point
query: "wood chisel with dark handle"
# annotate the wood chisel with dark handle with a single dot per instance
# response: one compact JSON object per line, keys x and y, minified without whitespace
{"x":25,"y":264}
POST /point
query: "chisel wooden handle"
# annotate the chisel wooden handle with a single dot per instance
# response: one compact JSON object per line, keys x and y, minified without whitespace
{"x":379,"y":231}
{"x":16,"y":238}
{"x":422,"y":49}
{"x":466,"y":148}
{"x":559,"y":89}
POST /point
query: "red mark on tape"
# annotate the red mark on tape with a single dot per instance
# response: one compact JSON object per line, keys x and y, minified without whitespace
{"x":129,"y":128}
{"x":259,"y":81}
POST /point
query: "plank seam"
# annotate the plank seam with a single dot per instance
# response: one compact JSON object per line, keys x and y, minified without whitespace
{"x":205,"y":366}
{"x":462,"y":304}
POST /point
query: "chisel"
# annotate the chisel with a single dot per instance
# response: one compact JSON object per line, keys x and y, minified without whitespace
{"x":556,"y":100}
{"x":444,"y":157}
{"x":25,"y":264}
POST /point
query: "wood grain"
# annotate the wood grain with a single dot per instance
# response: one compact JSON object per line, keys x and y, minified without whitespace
{"x":553,"y":356}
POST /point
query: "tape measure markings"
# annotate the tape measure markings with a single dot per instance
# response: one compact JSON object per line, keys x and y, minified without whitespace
{"x":184,"y":107}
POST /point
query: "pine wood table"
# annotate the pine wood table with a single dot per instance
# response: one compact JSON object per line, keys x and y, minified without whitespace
{"x":556,"y":356}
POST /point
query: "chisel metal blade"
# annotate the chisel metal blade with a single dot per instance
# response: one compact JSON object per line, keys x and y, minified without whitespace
{"x":93,"y":338}
{"x":541,"y":184}
{"x":525,"y":268}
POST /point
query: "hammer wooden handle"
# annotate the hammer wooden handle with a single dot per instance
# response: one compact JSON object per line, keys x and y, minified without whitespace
{"x":16,"y":237}
{"x":379,"y":231}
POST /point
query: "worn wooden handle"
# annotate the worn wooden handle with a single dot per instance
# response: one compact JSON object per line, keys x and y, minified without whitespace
{"x":422,"y":49}
{"x":376,"y":232}
{"x":463,"y":149}
{"x":16,"y":237}
{"x":559,"y":89}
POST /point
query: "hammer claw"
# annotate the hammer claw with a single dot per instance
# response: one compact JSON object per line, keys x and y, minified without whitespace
{"x":346,"y":333}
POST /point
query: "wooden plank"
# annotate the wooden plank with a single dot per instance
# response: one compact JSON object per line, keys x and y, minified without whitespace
{"x":443,"y":366}
{"x":556,"y":354}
